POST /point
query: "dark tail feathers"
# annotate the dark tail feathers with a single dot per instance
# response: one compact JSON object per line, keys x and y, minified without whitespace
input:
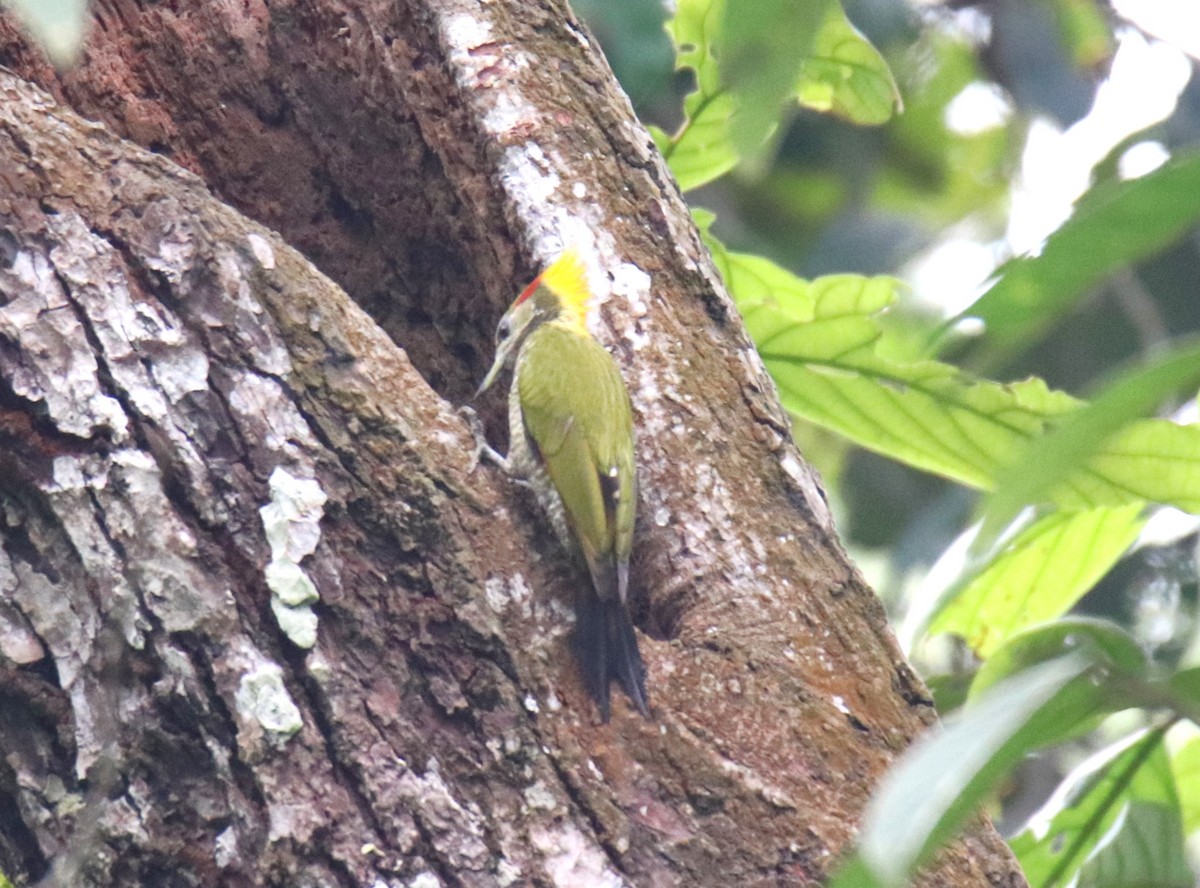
{"x":607,"y":649}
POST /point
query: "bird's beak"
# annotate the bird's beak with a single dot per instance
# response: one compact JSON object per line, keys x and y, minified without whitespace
{"x":497,"y":366}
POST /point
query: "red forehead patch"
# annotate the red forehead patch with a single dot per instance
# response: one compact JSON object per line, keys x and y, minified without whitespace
{"x":529,"y":291}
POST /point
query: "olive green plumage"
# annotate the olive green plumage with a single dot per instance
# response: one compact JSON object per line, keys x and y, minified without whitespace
{"x":571,"y":439}
{"x":576,"y":412}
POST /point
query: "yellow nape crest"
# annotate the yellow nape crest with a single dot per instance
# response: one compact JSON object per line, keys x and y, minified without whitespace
{"x":567,"y":279}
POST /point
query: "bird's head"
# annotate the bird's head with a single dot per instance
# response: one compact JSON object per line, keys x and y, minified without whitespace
{"x":560,"y":293}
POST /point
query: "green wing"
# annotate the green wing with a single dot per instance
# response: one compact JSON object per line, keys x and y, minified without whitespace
{"x":576,"y":409}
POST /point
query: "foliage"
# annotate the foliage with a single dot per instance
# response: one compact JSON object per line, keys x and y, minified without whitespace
{"x":922,"y":802}
{"x":58,"y":26}
{"x":1039,"y":574}
{"x":1125,"y":798}
{"x":772,"y":51}
{"x":1068,"y":486}
{"x":821,"y":343}
{"x":1115,"y":224}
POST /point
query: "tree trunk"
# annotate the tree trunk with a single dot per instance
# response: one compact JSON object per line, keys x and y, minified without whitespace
{"x":261,"y":623}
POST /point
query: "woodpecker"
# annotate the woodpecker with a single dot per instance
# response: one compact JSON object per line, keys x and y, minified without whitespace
{"x":571,"y":441}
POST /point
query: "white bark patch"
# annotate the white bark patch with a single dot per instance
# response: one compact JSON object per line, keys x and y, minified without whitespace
{"x":456,"y":830}
{"x":570,"y":860}
{"x":515,"y":592}
{"x":297,"y":623}
{"x":530,"y":177}
{"x":174,"y":252}
{"x":714,"y":524}
{"x":807,"y":483}
{"x":261,"y":248}
{"x":268,"y":418}
{"x":144,"y":345}
{"x":539,"y":797}
{"x":161,"y":551}
{"x":463,"y":35}
{"x":652,"y":386}
{"x":17,"y":641}
{"x":293,"y":517}
{"x":225,"y":851}
{"x":262,"y":697}
{"x":65,"y":629}
{"x":54,"y":370}
{"x":288,"y":580}
{"x":508,"y":114}
{"x":135,"y":546}
{"x":634,"y":284}
{"x":507,"y":873}
{"x":292,"y":524}
{"x":148,"y":352}
{"x":256,"y":333}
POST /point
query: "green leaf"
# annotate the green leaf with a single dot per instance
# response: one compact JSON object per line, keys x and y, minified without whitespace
{"x":1037,"y":472}
{"x":845,"y":75}
{"x":852,"y":873}
{"x":1185,"y":765}
{"x":1185,"y":684}
{"x":830,"y":371}
{"x":1147,"y":850}
{"x":1116,"y":815}
{"x":922,"y":413}
{"x":701,"y":150}
{"x":1155,"y":459}
{"x":1115,"y":224}
{"x":821,"y":343}
{"x":1105,"y":643}
{"x":695,"y":29}
{"x":1038,"y":575}
{"x":1085,"y":31}
{"x":755,"y":279}
{"x":762,"y":47}
{"x":927,"y":796}
{"x":1183,"y":694}
{"x":58,"y":26}
{"x":771,"y":52}
{"x":933,"y":173}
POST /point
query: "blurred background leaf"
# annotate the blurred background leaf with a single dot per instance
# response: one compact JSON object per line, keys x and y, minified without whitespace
{"x":57,"y":26}
{"x":947,"y":775}
{"x":1116,"y":816}
{"x":1039,"y":575}
{"x":1116,"y":224}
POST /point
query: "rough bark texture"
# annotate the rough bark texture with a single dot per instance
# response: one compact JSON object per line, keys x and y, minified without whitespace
{"x":199,"y":431}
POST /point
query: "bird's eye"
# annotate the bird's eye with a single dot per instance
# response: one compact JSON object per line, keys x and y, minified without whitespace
{"x":503,"y":329}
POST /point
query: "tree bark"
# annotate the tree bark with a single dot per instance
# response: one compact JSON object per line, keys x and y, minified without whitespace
{"x":261,"y":622}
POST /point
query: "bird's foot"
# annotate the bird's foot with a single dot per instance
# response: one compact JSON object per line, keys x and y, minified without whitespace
{"x":483,"y":450}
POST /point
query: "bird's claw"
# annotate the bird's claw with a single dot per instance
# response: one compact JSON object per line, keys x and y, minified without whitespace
{"x":483,"y":450}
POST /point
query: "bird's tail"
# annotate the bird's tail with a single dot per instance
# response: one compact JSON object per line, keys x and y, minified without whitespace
{"x":607,"y":649}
